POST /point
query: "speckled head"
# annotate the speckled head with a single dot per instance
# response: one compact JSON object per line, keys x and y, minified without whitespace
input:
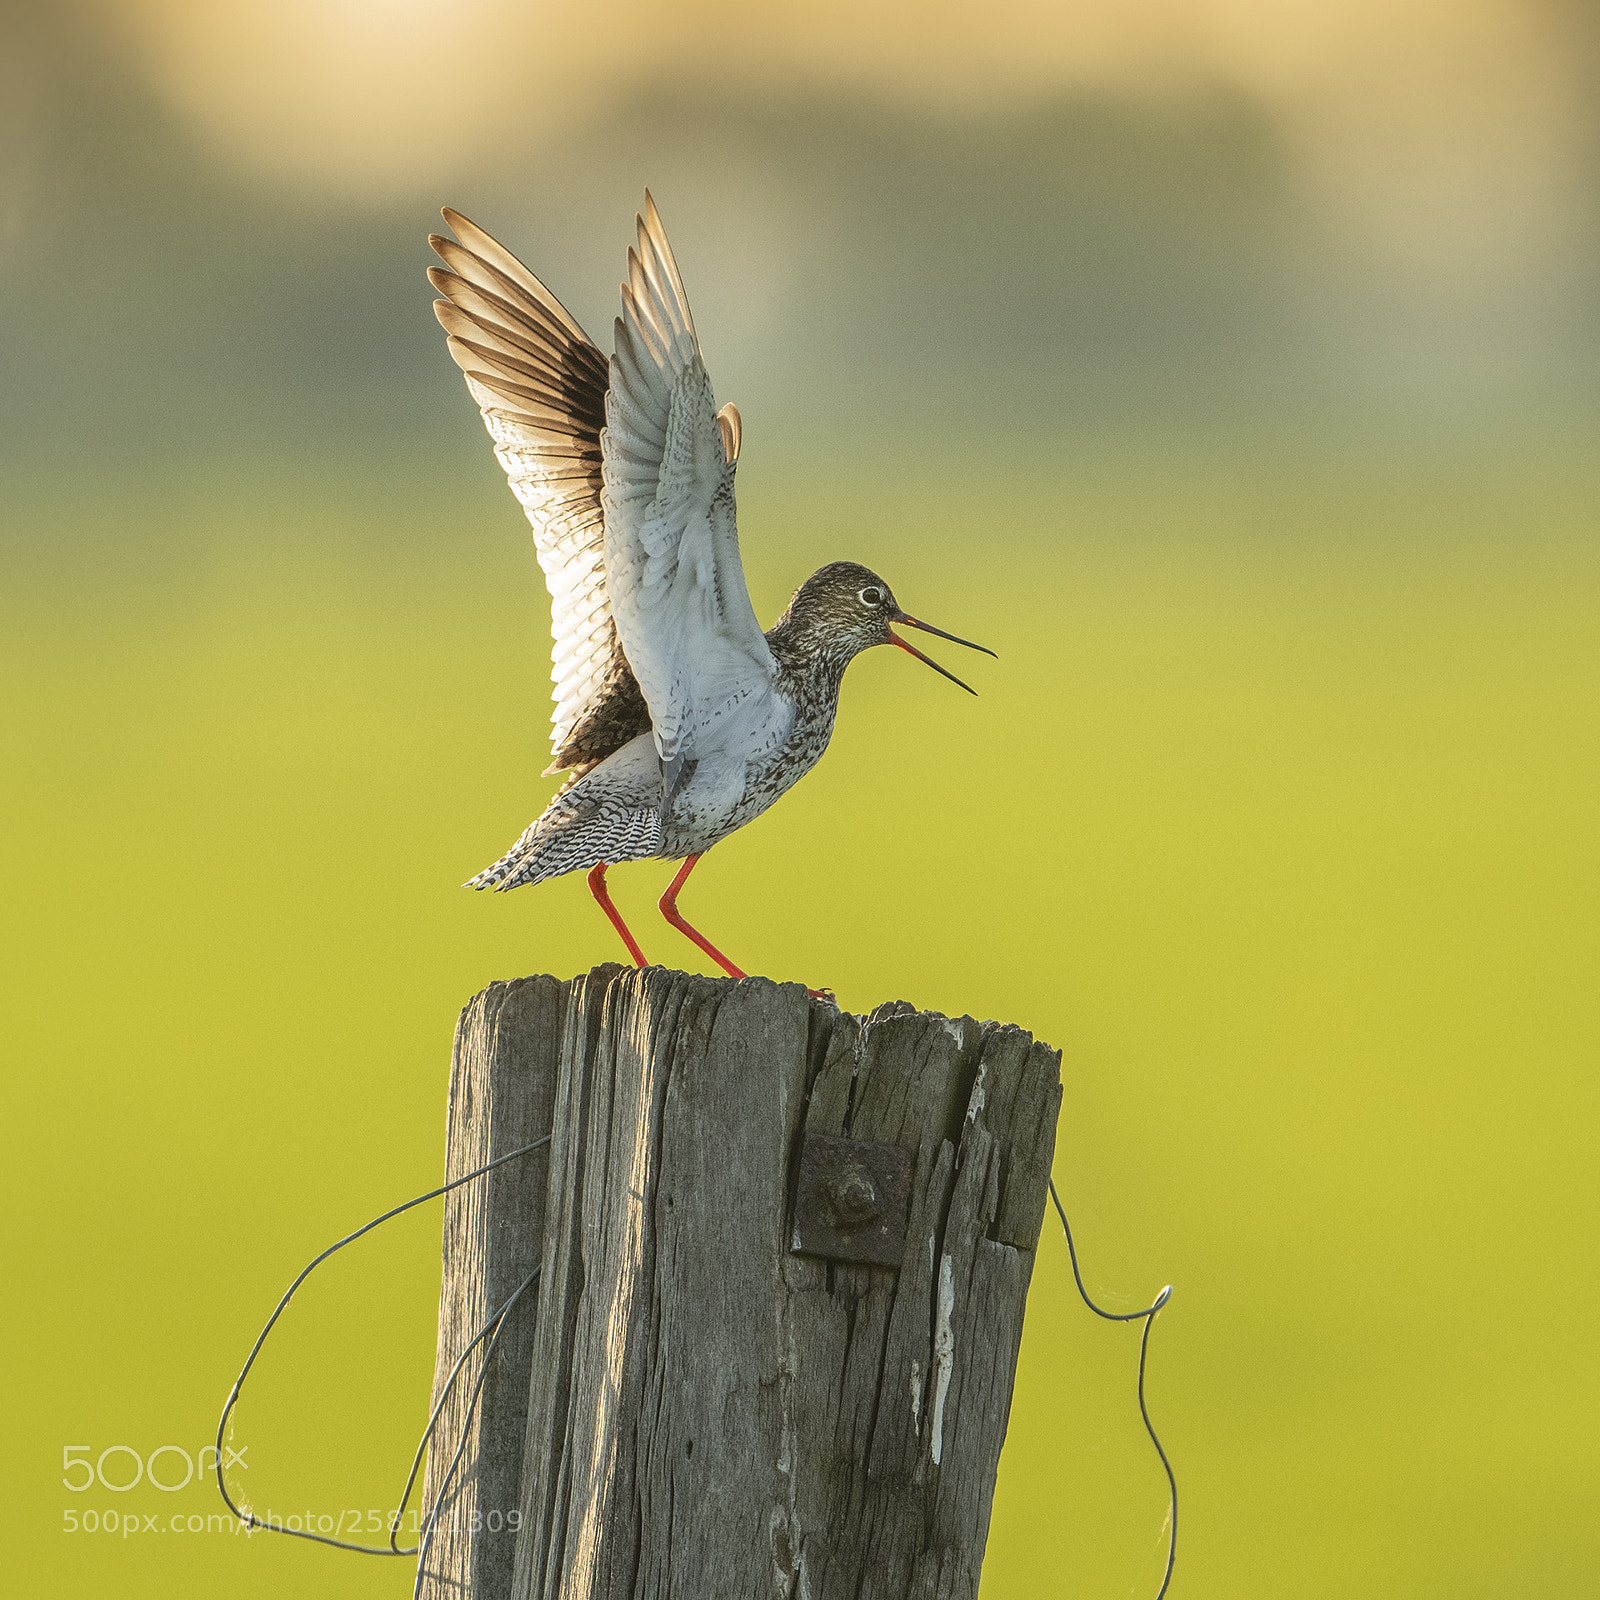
{"x":845,"y":608}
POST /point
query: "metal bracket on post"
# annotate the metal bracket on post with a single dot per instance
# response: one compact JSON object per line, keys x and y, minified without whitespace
{"x":850,"y":1200}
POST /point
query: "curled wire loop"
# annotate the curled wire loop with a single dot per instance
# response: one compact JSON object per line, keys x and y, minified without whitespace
{"x":1148,"y":1317}
{"x":490,"y":1331}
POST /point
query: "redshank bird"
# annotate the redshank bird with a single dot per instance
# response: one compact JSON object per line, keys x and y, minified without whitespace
{"x":677,"y":719}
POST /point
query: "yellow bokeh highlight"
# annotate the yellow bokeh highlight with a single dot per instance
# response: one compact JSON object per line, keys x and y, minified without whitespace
{"x":1450,"y":135}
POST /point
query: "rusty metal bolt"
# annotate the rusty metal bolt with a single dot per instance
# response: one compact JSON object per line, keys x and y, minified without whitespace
{"x":851,"y":1198}
{"x":854,"y":1195}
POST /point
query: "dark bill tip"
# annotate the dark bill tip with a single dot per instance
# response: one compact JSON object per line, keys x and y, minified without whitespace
{"x":911,"y":650}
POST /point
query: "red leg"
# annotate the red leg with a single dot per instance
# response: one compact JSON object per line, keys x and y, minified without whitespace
{"x":597,"y":887}
{"x":669,"y":909}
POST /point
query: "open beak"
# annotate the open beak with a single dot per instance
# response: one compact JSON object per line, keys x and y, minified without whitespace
{"x":911,"y":650}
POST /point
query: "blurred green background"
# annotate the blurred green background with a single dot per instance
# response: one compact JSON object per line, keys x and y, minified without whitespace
{"x":1230,"y":368}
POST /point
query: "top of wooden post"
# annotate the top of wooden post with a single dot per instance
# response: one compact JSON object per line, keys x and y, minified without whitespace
{"x":694,"y":1409}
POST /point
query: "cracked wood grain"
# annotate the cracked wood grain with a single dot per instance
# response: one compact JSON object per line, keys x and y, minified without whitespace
{"x":704,"y":1413}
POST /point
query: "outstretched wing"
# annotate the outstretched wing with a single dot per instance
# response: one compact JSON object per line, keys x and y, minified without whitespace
{"x":541,"y":385}
{"x":677,"y":587}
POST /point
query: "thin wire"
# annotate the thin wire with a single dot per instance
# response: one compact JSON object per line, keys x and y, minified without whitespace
{"x":249,"y":1518}
{"x":433,"y":1417}
{"x":426,"y":1541}
{"x":492,"y":1330}
{"x":491,"y":1327}
{"x":1148,"y":1315}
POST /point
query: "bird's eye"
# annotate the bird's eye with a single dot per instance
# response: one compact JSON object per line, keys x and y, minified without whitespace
{"x":871,"y":597}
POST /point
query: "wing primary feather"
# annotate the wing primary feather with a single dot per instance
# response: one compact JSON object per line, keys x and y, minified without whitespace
{"x":541,"y":385}
{"x":658,"y":234}
{"x":580,"y":381}
{"x":493,"y":311}
{"x":500,"y":291}
{"x":654,"y":286}
{"x":531,"y":368}
{"x":523,"y":368}
{"x":496,"y":254}
{"x":531,"y":406}
{"x":635,"y":303}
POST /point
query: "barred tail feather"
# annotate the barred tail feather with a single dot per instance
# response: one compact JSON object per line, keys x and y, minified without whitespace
{"x":596,"y":819}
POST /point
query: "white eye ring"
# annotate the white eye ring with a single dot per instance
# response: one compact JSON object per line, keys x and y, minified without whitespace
{"x":871,"y":597}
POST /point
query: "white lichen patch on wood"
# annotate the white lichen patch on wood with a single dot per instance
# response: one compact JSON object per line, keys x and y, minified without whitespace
{"x":975,"y":1101}
{"x":944,"y":1355}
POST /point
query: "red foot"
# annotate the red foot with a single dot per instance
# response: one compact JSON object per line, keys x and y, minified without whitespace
{"x":597,"y":887}
{"x":669,"y":909}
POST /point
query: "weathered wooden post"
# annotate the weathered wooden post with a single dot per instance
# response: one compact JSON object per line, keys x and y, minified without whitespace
{"x":684,"y":1404}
